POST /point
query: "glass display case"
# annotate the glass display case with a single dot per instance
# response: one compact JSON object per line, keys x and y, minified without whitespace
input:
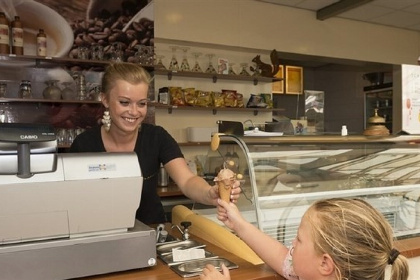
{"x":284,"y":175}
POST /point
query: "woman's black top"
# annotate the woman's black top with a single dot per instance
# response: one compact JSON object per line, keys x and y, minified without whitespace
{"x":154,"y":146}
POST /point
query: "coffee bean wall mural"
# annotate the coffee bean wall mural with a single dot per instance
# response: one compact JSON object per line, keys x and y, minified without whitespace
{"x":115,"y":28}
{"x":85,"y":30}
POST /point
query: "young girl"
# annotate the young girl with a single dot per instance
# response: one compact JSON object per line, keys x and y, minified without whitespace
{"x":340,"y":239}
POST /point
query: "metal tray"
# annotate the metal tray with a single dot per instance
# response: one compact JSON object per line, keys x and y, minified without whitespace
{"x":195,"y":267}
{"x":166,"y":249}
{"x":168,"y":259}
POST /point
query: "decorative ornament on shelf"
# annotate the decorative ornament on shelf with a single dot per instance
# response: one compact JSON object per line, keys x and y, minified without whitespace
{"x":376,"y":126}
{"x":265,"y":69}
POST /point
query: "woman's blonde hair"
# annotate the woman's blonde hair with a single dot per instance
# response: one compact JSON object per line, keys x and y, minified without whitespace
{"x":357,"y":237}
{"x":129,"y":72}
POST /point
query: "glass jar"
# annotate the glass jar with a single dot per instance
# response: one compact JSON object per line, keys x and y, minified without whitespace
{"x":117,"y":52}
{"x":95,"y":93}
{"x":70,"y":135}
{"x":3,"y":89}
{"x":81,"y":91}
{"x":25,"y":89}
{"x":83,"y":52}
{"x":3,"y":116}
{"x":97,"y":52}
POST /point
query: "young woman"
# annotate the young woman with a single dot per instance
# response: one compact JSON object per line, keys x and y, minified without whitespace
{"x":338,"y":239}
{"x":124,"y":95}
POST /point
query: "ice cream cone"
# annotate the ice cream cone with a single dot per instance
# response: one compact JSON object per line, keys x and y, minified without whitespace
{"x":224,"y":180}
{"x":224,"y":191}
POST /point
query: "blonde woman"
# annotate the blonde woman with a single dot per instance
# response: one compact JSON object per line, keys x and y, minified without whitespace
{"x":124,"y":95}
{"x":338,"y":239}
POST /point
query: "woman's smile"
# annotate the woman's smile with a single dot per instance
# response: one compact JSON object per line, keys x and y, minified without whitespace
{"x":130,"y":120}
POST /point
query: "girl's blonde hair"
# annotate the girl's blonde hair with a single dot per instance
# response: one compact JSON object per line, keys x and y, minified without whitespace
{"x":132,"y":73}
{"x":357,"y":237}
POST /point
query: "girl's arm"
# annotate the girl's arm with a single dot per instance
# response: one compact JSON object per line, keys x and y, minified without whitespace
{"x":272,"y":252}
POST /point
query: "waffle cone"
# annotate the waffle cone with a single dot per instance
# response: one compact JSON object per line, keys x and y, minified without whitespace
{"x":224,"y":191}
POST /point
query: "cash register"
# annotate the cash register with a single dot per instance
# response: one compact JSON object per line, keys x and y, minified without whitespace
{"x":65,"y":215}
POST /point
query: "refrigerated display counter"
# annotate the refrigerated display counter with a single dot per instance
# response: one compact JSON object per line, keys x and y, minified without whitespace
{"x":284,"y":175}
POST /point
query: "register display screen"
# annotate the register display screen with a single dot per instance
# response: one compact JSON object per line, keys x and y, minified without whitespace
{"x":26,"y":149}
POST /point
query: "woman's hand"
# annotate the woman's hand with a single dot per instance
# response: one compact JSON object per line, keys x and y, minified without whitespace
{"x":211,"y":273}
{"x":195,"y":187}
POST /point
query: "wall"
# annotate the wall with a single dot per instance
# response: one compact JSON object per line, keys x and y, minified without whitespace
{"x":259,"y":25}
{"x":263,"y":26}
{"x":344,"y":98}
{"x":344,"y":102}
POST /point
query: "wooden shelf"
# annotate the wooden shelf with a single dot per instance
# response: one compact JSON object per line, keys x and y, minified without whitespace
{"x":181,"y":144}
{"x":45,"y":62}
{"x":194,"y":144}
{"x":63,"y":147}
{"x":214,"y":77}
{"x":40,"y":100}
{"x":214,"y":110}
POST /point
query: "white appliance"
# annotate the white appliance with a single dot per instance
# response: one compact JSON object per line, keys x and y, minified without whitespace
{"x":73,"y":219}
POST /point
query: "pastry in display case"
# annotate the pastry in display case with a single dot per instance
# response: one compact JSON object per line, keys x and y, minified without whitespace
{"x":282,"y":176}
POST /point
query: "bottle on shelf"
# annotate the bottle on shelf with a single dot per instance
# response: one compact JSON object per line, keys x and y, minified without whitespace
{"x":4,"y":34}
{"x":17,"y":36}
{"x":344,"y":131}
{"x":41,"y":43}
{"x":163,"y":177}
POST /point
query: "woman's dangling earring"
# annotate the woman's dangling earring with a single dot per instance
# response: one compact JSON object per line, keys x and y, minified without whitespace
{"x":106,"y":120}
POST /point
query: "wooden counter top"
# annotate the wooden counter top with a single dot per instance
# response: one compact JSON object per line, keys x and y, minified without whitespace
{"x":408,"y":247}
{"x":169,"y":191}
{"x":162,"y":271}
